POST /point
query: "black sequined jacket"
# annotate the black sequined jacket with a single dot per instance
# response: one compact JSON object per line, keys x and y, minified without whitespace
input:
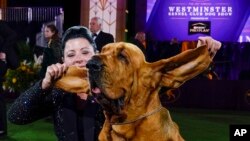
{"x":74,"y":120}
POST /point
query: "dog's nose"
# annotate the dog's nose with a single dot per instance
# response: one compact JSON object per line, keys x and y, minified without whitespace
{"x":94,"y":64}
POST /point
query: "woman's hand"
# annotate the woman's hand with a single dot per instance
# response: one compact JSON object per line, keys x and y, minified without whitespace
{"x":83,"y":96}
{"x":2,"y":56}
{"x":53,"y":72}
{"x":212,"y":44}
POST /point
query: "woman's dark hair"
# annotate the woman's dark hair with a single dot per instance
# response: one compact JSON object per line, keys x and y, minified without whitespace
{"x":77,"y":32}
{"x":53,"y":28}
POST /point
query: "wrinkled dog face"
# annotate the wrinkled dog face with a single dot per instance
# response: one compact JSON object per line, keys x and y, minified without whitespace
{"x":112,"y":74}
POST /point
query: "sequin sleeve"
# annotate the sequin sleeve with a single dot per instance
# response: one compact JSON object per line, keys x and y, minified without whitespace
{"x":31,"y":105}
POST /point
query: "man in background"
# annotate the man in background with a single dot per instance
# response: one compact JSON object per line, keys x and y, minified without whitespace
{"x":101,"y":38}
{"x":140,"y":41}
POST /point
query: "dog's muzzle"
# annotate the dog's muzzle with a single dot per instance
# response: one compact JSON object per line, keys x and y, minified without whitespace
{"x":96,"y":69}
{"x":94,"y":65}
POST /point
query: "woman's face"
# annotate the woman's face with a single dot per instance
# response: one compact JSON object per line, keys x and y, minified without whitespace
{"x":77,"y":52}
{"x":48,"y":33}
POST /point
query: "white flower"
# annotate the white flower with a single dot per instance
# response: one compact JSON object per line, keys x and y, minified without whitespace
{"x":38,"y":60}
{"x":24,"y":62}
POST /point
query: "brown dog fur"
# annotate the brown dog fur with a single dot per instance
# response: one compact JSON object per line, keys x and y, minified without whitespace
{"x":125,"y":76}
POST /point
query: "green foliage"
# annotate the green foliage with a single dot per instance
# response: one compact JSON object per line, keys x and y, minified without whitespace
{"x":21,"y":78}
{"x":26,"y":74}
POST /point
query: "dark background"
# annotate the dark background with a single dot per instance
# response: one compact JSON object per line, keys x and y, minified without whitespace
{"x":72,"y":12}
{"x":71,"y":9}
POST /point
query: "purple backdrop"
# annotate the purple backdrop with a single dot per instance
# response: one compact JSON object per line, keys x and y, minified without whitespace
{"x":169,"y":18}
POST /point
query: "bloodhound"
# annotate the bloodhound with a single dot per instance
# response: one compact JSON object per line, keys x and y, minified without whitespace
{"x":127,"y":87}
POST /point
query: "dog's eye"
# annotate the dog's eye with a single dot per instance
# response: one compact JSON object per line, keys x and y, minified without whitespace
{"x":122,"y":56}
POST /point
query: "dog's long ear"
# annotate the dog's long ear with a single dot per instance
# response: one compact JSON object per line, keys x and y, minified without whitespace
{"x":182,"y":67}
{"x":74,"y":80}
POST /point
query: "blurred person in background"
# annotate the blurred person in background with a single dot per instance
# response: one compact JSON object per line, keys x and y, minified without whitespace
{"x":140,"y":41}
{"x":101,"y":38}
{"x":9,"y":59}
{"x":52,"y":53}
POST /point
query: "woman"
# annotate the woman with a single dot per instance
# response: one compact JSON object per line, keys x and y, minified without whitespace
{"x":52,"y":54}
{"x":76,"y":116}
